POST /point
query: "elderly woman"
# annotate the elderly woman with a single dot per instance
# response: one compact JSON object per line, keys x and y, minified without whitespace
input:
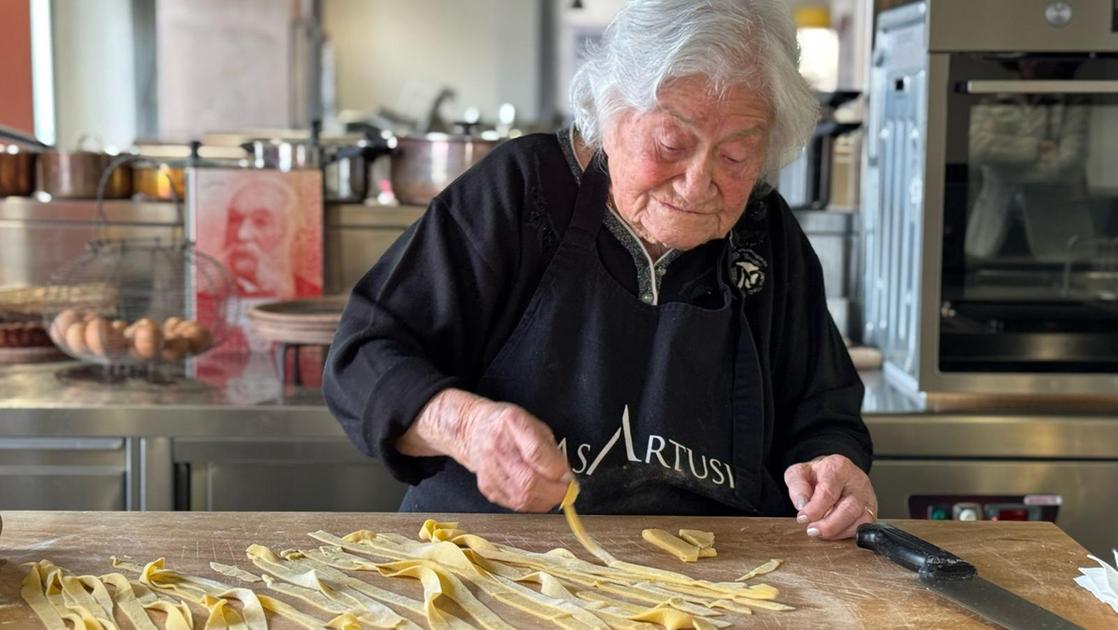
{"x":626,"y":301}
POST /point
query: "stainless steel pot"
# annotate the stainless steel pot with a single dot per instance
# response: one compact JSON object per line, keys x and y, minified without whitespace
{"x":346,"y":179}
{"x":344,"y":161}
{"x":281,"y":154}
{"x":422,"y":166}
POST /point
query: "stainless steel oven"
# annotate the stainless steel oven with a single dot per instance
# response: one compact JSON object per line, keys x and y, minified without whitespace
{"x":991,"y":196}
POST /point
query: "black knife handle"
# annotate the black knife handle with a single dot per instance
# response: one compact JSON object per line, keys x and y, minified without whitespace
{"x":913,"y":553}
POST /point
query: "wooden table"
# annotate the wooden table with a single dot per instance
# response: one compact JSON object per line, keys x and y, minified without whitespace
{"x":832,"y":584}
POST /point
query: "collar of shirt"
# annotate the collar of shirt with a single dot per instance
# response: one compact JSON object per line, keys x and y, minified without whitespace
{"x":650,"y":273}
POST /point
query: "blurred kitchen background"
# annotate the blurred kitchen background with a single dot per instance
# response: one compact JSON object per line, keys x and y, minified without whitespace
{"x":187,"y":187}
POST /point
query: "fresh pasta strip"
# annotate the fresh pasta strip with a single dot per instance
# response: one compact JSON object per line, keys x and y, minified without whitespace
{"x":309,"y":595}
{"x":437,"y":583}
{"x":446,"y":554}
{"x":235,"y":572}
{"x":207,"y":592}
{"x":577,"y":528}
{"x":677,"y":547}
{"x":609,"y":579}
{"x":128,"y":602}
{"x":699,"y":538}
{"x":33,"y":591}
{"x":371,"y":611}
{"x":647,"y":584}
{"x":178,"y":615}
{"x":80,"y":601}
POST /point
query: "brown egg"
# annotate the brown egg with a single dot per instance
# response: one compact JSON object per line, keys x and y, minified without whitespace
{"x":75,"y":339}
{"x":175,"y":349}
{"x":130,"y":331}
{"x":103,"y":339}
{"x":96,"y":335}
{"x":183,"y":325}
{"x":198,"y":335}
{"x":61,"y":324}
{"x":169,"y":326}
{"x":147,"y":339}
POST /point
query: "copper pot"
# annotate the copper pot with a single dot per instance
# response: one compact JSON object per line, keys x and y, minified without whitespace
{"x":422,"y":166}
{"x":76,"y":175}
{"x":17,"y":171}
{"x":163,"y":182}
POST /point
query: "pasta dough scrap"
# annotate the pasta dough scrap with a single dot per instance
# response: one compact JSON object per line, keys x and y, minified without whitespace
{"x":677,"y":547}
{"x":768,"y":567}
{"x":699,"y":538}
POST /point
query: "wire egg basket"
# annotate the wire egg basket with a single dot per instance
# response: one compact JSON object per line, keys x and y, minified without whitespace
{"x":138,"y":301}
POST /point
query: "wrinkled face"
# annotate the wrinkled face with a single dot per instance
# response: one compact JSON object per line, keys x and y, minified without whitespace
{"x":682,"y":173}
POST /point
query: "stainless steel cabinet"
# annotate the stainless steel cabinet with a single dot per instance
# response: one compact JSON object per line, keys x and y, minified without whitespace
{"x":356,"y":237}
{"x":64,"y":473}
{"x":1087,"y":488}
{"x":280,"y":475}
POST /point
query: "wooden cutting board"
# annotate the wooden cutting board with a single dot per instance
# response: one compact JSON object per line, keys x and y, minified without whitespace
{"x":833,"y":584}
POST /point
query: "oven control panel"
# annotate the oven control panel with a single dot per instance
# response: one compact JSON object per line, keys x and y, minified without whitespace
{"x":1029,"y":507}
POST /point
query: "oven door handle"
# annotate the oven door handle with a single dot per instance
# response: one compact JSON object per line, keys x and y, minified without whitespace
{"x":1038,"y":87}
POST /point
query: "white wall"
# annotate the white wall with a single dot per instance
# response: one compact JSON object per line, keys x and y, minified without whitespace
{"x":94,"y":79}
{"x":486,"y":50}
{"x":222,"y":65}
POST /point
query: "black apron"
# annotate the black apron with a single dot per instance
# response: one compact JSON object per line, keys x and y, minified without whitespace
{"x":659,"y":409}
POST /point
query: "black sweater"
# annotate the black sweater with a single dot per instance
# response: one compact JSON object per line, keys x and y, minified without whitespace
{"x":440,"y":304}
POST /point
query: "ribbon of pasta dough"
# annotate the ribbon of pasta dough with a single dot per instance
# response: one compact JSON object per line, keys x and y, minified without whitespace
{"x":33,"y":592}
{"x":575,"y":523}
{"x":436,"y":583}
{"x":633,"y":581}
{"x":372,"y":612}
{"x":490,"y":558}
{"x":128,"y":602}
{"x":179,"y":616}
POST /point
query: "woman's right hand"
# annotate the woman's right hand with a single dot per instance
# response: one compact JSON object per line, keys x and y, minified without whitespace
{"x":513,"y":453}
{"x":514,"y":457}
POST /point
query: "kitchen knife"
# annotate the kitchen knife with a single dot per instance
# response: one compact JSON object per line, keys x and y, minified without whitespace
{"x":957,"y":579}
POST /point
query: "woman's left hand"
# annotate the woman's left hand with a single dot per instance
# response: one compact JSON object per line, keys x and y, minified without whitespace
{"x":833,"y":496}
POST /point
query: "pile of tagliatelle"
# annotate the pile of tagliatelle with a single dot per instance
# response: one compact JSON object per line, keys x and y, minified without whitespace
{"x":556,"y":587}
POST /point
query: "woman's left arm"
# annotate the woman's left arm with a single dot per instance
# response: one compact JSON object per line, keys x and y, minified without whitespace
{"x":821,"y":445}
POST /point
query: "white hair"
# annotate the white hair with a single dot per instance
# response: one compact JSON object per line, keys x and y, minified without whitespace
{"x":729,"y":42}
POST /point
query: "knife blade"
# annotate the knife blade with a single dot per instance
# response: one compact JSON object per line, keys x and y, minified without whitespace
{"x":957,"y":580}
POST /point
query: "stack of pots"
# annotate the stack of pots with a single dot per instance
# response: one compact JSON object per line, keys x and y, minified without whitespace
{"x":60,"y":174}
{"x":422,"y":165}
{"x":344,"y":161}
